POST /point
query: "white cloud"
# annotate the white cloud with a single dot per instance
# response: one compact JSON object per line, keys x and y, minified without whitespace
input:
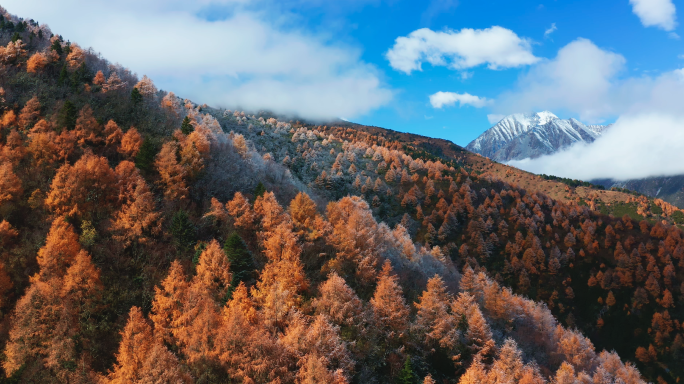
{"x":655,"y":13}
{"x":244,"y":59}
{"x":578,"y":80}
{"x":494,"y":118}
{"x":589,"y":82}
{"x":448,"y":99}
{"x":548,"y":32}
{"x":496,"y":46}
{"x":636,"y":146}
{"x":586,"y":81}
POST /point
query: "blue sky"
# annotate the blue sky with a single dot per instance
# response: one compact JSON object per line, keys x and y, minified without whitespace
{"x":321,"y":58}
{"x":611,"y":25}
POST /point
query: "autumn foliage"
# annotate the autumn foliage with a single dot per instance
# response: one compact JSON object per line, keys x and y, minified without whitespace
{"x":206,"y":245}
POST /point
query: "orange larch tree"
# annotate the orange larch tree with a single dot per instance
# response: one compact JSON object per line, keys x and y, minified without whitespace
{"x":88,"y":130}
{"x":29,"y":114}
{"x":113,"y":134}
{"x":172,"y":173}
{"x":138,"y":218}
{"x":84,"y":188}
{"x":279,"y":290}
{"x":390,"y":311}
{"x":168,"y":299}
{"x":170,"y":103}
{"x":339,"y":302}
{"x":433,"y":321}
{"x":75,"y":57}
{"x":213,"y":270}
{"x":241,"y":210}
{"x":60,"y":249}
{"x":130,"y":143}
{"x":10,"y":184}
{"x":146,"y":87}
{"x":142,"y":358}
{"x":36,"y":62}
{"x":99,"y":78}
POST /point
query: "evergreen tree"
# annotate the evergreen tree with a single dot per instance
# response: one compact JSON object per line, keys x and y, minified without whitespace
{"x":16,"y":37}
{"x":68,"y":115}
{"x":81,"y":75}
{"x":145,"y":158}
{"x":136,"y":96}
{"x":186,"y":127}
{"x":259,"y":190}
{"x":406,"y":375}
{"x":57,"y":47}
{"x":241,"y":264}
{"x":63,"y":75}
{"x":183,"y":231}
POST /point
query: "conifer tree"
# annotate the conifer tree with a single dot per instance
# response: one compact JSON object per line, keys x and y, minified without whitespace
{"x":406,"y":375}
{"x":136,"y":96}
{"x":186,"y":127}
{"x":183,"y":231}
{"x":144,"y":159}
{"x":241,"y":263}
{"x":68,"y":114}
{"x":389,"y":306}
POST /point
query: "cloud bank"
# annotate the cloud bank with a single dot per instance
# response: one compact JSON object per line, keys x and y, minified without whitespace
{"x":244,"y":58}
{"x":585,"y":80}
{"x":638,"y":146}
{"x":496,"y":47}
{"x":655,"y":13}
{"x":448,"y":99}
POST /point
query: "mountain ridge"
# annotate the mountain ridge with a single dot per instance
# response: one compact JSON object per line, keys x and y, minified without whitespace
{"x":519,"y":136}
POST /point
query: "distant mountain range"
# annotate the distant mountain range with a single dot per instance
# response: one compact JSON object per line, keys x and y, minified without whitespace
{"x":521,"y":136}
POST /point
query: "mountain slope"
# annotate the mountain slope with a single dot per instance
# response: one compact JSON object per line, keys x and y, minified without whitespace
{"x":144,"y":238}
{"x":521,"y":136}
{"x":670,"y":189}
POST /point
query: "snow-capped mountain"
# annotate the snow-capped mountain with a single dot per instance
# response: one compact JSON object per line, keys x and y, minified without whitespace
{"x":520,"y":136}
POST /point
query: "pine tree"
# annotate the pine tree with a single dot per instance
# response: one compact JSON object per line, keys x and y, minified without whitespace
{"x":186,"y":127}
{"x":63,"y":75}
{"x":57,"y":47}
{"x":406,"y":375}
{"x":241,"y":263}
{"x":68,"y":114}
{"x":145,"y":157}
{"x":136,"y":96}
{"x":183,"y":231}
{"x":259,"y":190}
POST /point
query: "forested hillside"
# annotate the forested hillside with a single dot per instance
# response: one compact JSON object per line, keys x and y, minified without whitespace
{"x":144,"y":238}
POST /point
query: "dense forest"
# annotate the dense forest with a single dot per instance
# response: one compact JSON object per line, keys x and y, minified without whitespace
{"x":148,"y":239}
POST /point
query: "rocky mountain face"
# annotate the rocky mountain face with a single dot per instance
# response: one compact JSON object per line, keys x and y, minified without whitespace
{"x":520,"y":136}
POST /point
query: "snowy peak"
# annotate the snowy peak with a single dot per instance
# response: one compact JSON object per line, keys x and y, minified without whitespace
{"x":530,"y":135}
{"x":508,"y":129}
